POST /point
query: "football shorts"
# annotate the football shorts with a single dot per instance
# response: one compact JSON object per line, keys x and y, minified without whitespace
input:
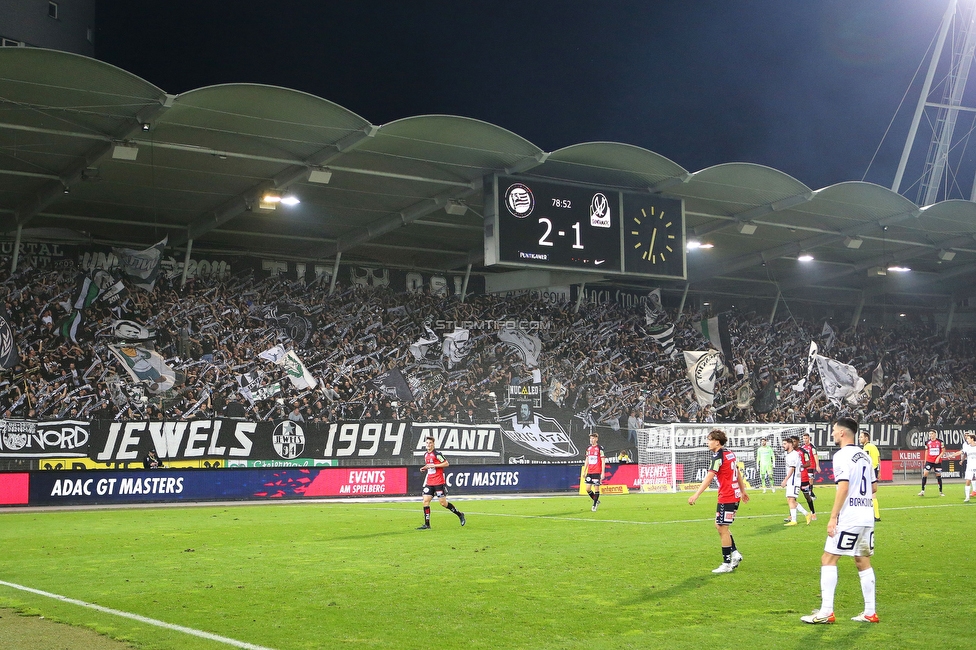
{"x":854,"y":541}
{"x":725,"y":513}
{"x":792,"y":491}
{"x":435,"y":490}
{"x":936,"y":466}
{"x":593,"y":479}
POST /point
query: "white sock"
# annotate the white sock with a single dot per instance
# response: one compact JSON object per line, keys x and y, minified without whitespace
{"x":968,"y":488}
{"x":828,"y":583}
{"x":792,"y":514}
{"x":867,"y":589}
{"x":801,"y":510}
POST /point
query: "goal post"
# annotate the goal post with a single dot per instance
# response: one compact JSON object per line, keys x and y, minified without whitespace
{"x":675,"y":457}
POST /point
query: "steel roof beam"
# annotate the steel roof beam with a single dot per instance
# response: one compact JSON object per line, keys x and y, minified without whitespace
{"x":287,"y":177}
{"x":755,"y":213}
{"x":52,"y":190}
{"x":790,"y":248}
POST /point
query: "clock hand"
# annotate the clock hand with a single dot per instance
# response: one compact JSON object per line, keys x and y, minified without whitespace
{"x":650,"y":250}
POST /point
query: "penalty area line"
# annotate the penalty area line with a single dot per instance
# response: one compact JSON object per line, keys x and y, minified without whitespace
{"x":137,"y":617}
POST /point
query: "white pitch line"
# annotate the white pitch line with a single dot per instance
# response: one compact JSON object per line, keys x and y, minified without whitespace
{"x":651,"y":523}
{"x":141,"y":619}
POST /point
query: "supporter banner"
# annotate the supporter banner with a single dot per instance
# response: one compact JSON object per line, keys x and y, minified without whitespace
{"x":52,"y":438}
{"x":174,"y":485}
{"x":475,"y":443}
{"x":237,"y":440}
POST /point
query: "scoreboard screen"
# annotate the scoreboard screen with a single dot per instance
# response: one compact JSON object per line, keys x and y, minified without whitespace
{"x":532,"y":223}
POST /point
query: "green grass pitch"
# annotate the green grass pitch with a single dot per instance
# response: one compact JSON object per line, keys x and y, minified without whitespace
{"x":524,"y":573}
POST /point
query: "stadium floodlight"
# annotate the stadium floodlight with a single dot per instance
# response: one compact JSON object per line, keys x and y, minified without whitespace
{"x":899,"y":269}
{"x":271,"y":199}
{"x":125,"y":151}
{"x":746,"y":228}
{"x":946,"y":256}
{"x":853,"y":242}
{"x":804,"y":256}
{"x":455,"y":208}
{"x":320,"y":176}
{"x":694,"y":244}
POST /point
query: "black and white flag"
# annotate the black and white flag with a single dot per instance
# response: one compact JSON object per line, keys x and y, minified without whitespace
{"x":142,"y":267}
{"x":9,"y":355}
{"x":394,"y":385}
{"x":529,"y":346}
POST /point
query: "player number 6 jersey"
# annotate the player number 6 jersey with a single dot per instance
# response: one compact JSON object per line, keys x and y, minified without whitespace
{"x":853,"y":465}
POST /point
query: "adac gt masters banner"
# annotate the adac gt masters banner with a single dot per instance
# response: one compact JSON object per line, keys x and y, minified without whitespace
{"x":165,"y":485}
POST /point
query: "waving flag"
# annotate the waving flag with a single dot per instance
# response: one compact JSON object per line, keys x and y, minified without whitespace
{"x":9,"y":355}
{"x":142,"y":267}
{"x":455,"y":346}
{"x":394,"y":385}
{"x":840,"y":381}
{"x":146,"y":366}
{"x":529,"y":346}
{"x":703,"y":370}
{"x":716,"y":330}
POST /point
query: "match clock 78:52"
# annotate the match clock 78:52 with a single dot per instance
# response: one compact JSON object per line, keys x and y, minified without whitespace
{"x":654,"y":236}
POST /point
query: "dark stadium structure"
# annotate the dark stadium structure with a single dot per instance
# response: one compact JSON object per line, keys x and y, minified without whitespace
{"x":93,"y":154}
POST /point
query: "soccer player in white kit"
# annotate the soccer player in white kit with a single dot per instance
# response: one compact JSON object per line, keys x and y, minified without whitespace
{"x":851,"y":527}
{"x":969,"y":451}
{"x":794,"y":467}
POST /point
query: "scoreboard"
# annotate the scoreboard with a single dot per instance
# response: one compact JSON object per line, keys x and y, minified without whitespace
{"x":533,"y":223}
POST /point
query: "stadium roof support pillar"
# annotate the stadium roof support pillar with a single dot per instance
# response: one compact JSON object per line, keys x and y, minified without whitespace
{"x":464,"y":286}
{"x":684,"y":296}
{"x":16,"y":255}
{"x":335,"y":273}
{"x":857,"y":313}
{"x":579,"y":298}
{"x":950,"y":316}
{"x":186,"y":262}
{"x":772,"y":314}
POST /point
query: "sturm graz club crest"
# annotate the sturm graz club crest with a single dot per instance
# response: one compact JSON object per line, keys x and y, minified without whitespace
{"x":519,"y":200}
{"x":542,"y":435}
{"x":288,"y":439}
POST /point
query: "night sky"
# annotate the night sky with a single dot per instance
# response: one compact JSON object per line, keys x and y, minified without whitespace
{"x":807,"y":87}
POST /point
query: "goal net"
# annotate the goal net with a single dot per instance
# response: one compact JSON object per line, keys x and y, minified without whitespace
{"x":675,"y":457}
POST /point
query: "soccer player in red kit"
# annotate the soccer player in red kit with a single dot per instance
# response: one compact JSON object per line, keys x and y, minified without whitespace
{"x":595,"y":464}
{"x":435,"y":484}
{"x":731,"y":489}
{"x":808,"y":469}
{"x":810,"y":460}
{"x":934,"y":449}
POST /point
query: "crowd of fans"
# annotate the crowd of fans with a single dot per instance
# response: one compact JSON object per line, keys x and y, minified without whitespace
{"x":597,"y":363}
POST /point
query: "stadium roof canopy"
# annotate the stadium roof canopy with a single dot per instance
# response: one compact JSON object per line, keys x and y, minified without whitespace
{"x":91,"y":153}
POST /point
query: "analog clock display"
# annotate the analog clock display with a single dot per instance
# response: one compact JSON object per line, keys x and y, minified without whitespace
{"x":654,"y":236}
